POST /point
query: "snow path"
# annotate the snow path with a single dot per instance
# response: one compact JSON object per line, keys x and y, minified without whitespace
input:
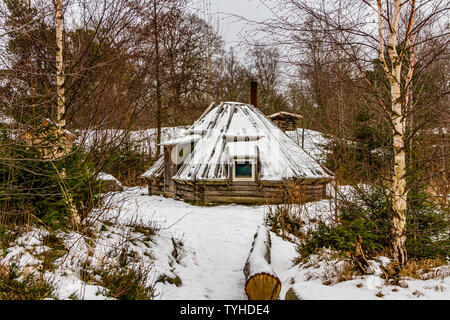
{"x":218,"y":240}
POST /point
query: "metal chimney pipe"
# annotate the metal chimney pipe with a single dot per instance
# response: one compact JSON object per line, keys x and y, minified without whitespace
{"x":254,"y":93}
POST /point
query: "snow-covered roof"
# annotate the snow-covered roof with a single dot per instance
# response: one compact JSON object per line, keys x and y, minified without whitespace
{"x":242,"y":149}
{"x":106,"y":177}
{"x":314,"y":142}
{"x":279,"y":157}
{"x":156,"y":169}
{"x":182,"y":140}
{"x":284,"y":113}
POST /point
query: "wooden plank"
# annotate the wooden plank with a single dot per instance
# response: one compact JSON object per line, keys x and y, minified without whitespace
{"x":185,"y":188}
{"x":191,"y":193}
{"x":236,"y":187}
{"x":187,"y":196}
{"x":232,"y":188}
{"x":240,"y":193}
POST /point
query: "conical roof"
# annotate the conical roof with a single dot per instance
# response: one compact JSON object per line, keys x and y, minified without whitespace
{"x":233,"y":130}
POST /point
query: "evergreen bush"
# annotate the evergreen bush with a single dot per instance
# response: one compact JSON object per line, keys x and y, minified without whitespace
{"x":367,"y":219}
{"x":38,"y":188}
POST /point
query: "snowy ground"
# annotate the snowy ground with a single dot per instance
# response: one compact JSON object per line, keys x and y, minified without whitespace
{"x":215,"y":243}
{"x":218,"y":240}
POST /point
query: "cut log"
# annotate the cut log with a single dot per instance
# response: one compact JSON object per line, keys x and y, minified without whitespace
{"x":261,"y":281}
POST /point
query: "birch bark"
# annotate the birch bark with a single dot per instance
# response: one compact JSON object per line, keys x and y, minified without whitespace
{"x":398,"y":187}
{"x":157,"y":75}
{"x":61,"y":109}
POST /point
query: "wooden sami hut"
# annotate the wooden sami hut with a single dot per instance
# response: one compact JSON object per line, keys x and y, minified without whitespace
{"x":234,"y":154}
{"x":286,"y":121}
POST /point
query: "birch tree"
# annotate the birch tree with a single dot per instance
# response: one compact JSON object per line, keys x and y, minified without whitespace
{"x":397,"y":114}
{"x":61,"y":108}
{"x":389,"y":31}
{"x":157,"y":73}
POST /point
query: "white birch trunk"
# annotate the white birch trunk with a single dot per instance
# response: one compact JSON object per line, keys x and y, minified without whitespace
{"x":158,"y":79}
{"x":61,"y":109}
{"x":398,"y":187}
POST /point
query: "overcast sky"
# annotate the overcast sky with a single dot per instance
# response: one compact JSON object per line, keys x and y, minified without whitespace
{"x":230,"y":26}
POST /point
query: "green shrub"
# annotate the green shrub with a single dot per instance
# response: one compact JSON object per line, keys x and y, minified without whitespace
{"x":125,"y":162}
{"x":428,"y":227}
{"x":31,"y":186}
{"x":367,"y":220}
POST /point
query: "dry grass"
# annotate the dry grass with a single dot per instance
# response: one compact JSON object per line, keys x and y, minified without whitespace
{"x":171,"y":280}
{"x":338,"y":272}
{"x":57,"y":250}
{"x":329,"y":268}
{"x":287,"y":219}
{"x":15,"y":285}
{"x":127,"y":283}
{"x":425,"y":268}
{"x":178,"y":252}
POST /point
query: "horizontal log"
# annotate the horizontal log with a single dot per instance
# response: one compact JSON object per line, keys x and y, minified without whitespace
{"x":231,"y":199}
{"x":256,"y":192}
{"x":186,"y":195}
{"x":305,"y":181}
{"x":185,"y":188}
{"x":231,"y":188}
{"x":261,"y":281}
{"x":158,"y":185}
{"x":243,"y":188}
{"x":240,"y":193}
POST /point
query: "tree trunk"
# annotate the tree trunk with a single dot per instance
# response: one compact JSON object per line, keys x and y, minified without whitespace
{"x":399,"y":193}
{"x":157,"y":77}
{"x":398,"y":187}
{"x":61,"y":108}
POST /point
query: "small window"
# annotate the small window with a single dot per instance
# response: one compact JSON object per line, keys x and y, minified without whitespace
{"x":244,"y":170}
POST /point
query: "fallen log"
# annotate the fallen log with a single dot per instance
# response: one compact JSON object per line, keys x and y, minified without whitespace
{"x":261,"y":281}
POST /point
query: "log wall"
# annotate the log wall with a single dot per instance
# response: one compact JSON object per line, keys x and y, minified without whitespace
{"x":201,"y":193}
{"x":235,"y":192}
